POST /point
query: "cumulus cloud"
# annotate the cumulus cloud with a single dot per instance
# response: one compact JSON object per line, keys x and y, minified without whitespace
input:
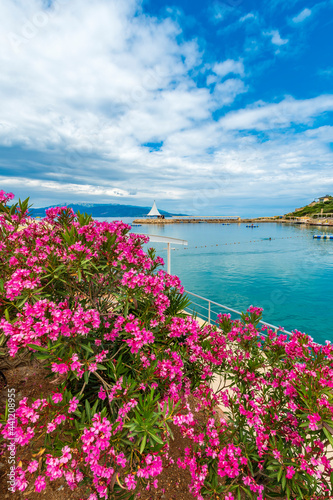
{"x":229,"y":66}
{"x":276,"y":37}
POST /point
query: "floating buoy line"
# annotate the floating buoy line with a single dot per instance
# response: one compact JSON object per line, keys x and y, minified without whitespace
{"x":236,"y":243}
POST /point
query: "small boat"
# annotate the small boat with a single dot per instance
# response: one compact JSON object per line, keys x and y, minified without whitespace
{"x":136,"y":225}
{"x":323,"y":236}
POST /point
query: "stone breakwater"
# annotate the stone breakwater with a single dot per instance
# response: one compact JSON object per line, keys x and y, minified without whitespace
{"x":175,"y":220}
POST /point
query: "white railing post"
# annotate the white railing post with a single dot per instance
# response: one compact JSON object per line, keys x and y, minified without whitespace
{"x":169,"y":259}
{"x":209,"y":311}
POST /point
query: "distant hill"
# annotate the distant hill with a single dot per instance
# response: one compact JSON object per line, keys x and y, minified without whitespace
{"x":313,"y":208}
{"x":102,"y":210}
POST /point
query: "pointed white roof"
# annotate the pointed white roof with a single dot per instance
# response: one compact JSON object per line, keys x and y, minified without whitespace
{"x":154,"y":210}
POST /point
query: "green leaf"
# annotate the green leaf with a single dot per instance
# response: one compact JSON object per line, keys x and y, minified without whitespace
{"x":87,"y":348}
{"x":37,"y":347}
{"x":328,"y":435}
{"x":279,"y":474}
{"x":288,"y":492}
{"x":22,"y":302}
{"x":6,"y":410}
{"x":156,"y":438}
{"x":42,"y":356}
{"x":283,"y":482}
{"x":94,"y":408}
{"x":88,"y":409}
{"x":101,"y":367}
{"x":299,"y":491}
{"x":143,"y":443}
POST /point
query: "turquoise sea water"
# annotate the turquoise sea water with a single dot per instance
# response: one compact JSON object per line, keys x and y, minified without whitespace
{"x":290,"y":276}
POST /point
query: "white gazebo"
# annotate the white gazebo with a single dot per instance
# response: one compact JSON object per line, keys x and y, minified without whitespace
{"x":154,"y":212}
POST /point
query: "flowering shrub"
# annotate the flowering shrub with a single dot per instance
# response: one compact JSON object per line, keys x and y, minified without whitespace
{"x":129,"y":366}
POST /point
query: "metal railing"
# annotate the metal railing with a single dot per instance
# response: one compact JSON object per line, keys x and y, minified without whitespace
{"x":208,"y":313}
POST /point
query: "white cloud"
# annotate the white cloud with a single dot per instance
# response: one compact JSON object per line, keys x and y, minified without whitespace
{"x":78,"y":189}
{"x":248,"y":16}
{"x":304,"y":14}
{"x":275,"y":37}
{"x":226,"y":92}
{"x":265,"y":116}
{"x":229,"y":66}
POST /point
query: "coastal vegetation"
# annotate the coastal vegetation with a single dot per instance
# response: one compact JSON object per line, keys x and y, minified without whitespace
{"x":129,"y":368}
{"x":313,"y":208}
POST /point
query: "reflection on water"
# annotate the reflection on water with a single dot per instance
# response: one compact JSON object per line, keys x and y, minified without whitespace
{"x":290,"y":276}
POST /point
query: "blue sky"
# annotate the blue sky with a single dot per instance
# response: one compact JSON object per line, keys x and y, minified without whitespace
{"x":208,"y":107}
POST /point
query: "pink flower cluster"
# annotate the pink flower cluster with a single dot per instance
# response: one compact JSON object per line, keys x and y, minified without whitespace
{"x":46,"y":320}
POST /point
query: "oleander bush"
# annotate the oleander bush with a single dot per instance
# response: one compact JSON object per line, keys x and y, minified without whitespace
{"x":129,"y":367}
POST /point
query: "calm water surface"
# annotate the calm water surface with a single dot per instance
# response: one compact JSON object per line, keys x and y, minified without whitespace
{"x":290,"y":276}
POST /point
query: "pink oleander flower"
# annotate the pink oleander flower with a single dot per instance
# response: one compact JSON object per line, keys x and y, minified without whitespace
{"x":57,"y":397}
{"x":33,"y":466}
{"x":290,"y":472}
{"x":313,"y":421}
{"x":59,"y":368}
{"x":101,"y":356}
{"x":121,"y":460}
{"x":102,"y":393}
{"x":21,"y":482}
{"x":40,"y":484}
{"x":50,"y":427}
{"x":73,"y":404}
{"x":66,"y":455}
{"x":130,"y":482}
{"x":4,"y":197}
{"x":255,"y":310}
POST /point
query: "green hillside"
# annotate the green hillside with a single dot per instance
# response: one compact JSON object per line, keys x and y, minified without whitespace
{"x":327,"y":207}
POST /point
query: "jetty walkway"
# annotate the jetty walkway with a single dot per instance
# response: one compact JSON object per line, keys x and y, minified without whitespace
{"x":228,"y":220}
